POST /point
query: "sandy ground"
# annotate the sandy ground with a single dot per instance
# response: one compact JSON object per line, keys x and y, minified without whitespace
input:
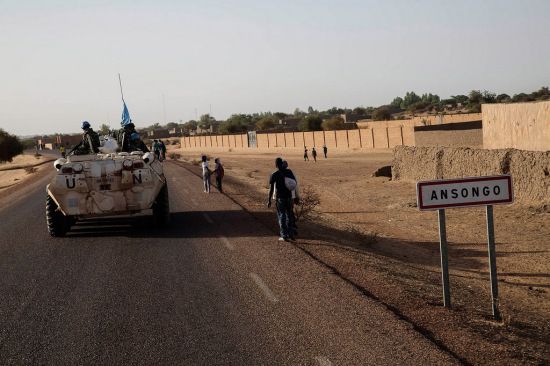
{"x":369,"y":231}
{"x":15,"y":172}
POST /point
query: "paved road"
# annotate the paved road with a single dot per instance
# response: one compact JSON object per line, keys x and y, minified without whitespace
{"x":216,"y":288}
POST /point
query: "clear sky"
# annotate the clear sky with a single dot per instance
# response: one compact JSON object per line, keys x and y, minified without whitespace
{"x":59,"y":60}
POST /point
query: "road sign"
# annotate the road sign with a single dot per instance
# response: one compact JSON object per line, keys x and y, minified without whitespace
{"x":448,"y":193}
{"x":477,"y":191}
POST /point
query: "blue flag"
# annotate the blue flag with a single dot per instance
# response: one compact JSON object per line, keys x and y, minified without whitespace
{"x":125,"y":116}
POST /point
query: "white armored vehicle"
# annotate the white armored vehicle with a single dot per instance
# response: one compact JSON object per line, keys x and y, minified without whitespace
{"x":105,"y":185}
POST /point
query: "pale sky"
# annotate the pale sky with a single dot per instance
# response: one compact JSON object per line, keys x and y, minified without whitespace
{"x":60,"y":59}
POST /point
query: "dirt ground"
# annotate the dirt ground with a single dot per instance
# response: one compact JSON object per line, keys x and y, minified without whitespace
{"x":21,"y":168}
{"x":368,"y":231}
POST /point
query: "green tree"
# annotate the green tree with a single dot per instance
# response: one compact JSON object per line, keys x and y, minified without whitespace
{"x":381,"y":114}
{"x":503,"y":98}
{"x":409,"y":99}
{"x":310,"y":123}
{"x":475,"y":97}
{"x":171,"y":125}
{"x":463,"y":99}
{"x":333,"y":123}
{"x":267,"y":123}
{"x":10,"y":146}
{"x":104,"y":129}
{"x":397,"y":102}
{"x":206,"y":121}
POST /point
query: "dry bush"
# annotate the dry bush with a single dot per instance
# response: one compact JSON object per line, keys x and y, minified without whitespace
{"x":174,"y":156}
{"x":309,"y":199}
{"x":30,"y":169}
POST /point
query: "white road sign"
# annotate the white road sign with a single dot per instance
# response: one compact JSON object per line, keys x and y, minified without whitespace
{"x":475,"y":191}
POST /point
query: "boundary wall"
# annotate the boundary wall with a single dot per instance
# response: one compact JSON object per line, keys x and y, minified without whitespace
{"x":530,"y":170}
{"x":517,"y":125}
{"x":374,"y":138}
{"x":422,"y":120}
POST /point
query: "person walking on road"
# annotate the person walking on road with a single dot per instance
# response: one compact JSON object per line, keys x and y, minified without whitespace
{"x":155,"y":147}
{"x":162,"y":150}
{"x":220,"y":172}
{"x":290,"y":179}
{"x":205,"y":174}
{"x":283,"y":198}
{"x":314,"y":154}
{"x":306,"y":157}
{"x":325,"y":150}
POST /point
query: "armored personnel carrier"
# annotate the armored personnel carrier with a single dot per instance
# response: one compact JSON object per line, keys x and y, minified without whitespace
{"x":105,"y":185}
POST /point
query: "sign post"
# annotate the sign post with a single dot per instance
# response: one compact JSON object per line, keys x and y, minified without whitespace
{"x":466,"y":192}
{"x":444,"y":258}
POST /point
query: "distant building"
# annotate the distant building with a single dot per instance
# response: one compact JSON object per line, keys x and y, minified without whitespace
{"x":160,"y":133}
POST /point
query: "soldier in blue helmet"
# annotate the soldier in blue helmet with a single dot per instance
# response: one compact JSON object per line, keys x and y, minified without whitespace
{"x":124,"y":134}
{"x":89,"y":143}
{"x":136,"y":144}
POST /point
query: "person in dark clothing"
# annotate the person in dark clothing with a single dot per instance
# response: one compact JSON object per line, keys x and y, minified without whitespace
{"x":314,"y":154}
{"x":306,"y":158}
{"x":89,"y":143}
{"x":294,"y":201}
{"x":137,"y":144}
{"x":283,"y":198}
{"x":123,"y":136}
{"x":325,"y":150}
{"x":220,"y":172}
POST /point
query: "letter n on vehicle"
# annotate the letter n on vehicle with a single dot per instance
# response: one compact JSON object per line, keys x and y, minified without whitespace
{"x":137,"y":178}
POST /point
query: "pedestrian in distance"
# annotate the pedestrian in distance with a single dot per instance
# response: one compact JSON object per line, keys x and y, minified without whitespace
{"x":314,"y":154}
{"x":220,"y":172}
{"x":306,"y":157}
{"x":283,"y":198}
{"x":325,"y":150}
{"x":62,"y":151}
{"x":156,"y":148}
{"x":206,"y":173}
{"x":162,"y":150}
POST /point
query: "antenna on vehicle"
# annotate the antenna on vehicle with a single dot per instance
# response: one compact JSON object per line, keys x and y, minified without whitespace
{"x":120,"y":83}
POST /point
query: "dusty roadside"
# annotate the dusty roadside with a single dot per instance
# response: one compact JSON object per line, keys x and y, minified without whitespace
{"x":24,"y":168}
{"x":399,"y":265}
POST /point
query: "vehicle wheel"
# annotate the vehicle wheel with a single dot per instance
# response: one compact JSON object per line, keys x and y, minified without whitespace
{"x":57,"y":222}
{"x":161,"y":207}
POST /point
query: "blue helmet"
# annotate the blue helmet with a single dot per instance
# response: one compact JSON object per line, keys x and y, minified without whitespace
{"x":85,"y":125}
{"x":134,"y":136}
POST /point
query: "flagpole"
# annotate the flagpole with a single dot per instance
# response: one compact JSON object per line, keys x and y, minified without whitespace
{"x":120,"y":83}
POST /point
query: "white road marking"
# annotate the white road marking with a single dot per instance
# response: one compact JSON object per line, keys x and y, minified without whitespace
{"x":267,"y":292}
{"x":227,"y":243}
{"x":207,"y":218}
{"x":323,"y":361}
{"x":194,"y":202}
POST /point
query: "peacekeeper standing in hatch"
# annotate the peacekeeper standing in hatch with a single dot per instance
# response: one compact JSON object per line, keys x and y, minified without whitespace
{"x":136,"y":144}
{"x":124,"y":135}
{"x":89,"y":143}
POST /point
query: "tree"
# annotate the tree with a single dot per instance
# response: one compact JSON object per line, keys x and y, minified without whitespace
{"x":104,"y":129}
{"x":462,"y":99}
{"x":359,"y":111}
{"x":237,"y":123}
{"x":299,"y":113}
{"x":280,"y":115}
{"x":335,"y":111}
{"x":310,"y":110}
{"x":171,"y":125}
{"x":475,"y":97}
{"x":396,"y":102}
{"x":334,"y":123}
{"x":310,"y":123}
{"x":206,"y":121}
{"x":503,"y":98}
{"x":381,"y":114}
{"x":409,"y":99}
{"x":10,"y":146}
{"x":266,"y":123}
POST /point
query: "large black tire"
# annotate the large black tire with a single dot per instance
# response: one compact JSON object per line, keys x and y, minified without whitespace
{"x":57,"y":222}
{"x":161,"y":208}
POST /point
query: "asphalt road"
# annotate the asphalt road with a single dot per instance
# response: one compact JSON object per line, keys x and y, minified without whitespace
{"x":215,"y":288}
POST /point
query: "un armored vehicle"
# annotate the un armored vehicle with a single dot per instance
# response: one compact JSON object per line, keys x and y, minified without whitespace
{"x":99,"y":185}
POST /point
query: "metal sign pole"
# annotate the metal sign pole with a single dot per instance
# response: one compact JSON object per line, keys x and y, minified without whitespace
{"x":492,"y":261}
{"x":444,"y":258}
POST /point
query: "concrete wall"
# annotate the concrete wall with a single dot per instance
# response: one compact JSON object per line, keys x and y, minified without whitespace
{"x":518,"y":125}
{"x":529,"y":169}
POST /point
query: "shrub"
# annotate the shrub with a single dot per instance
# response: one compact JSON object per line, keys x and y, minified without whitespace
{"x":10,"y":146}
{"x":309,"y":199}
{"x":174,"y":156}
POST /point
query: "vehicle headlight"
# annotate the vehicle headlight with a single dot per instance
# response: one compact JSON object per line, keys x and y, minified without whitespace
{"x":77,"y":167}
{"x":127,"y":164}
{"x":59,"y":163}
{"x":148,"y":157}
